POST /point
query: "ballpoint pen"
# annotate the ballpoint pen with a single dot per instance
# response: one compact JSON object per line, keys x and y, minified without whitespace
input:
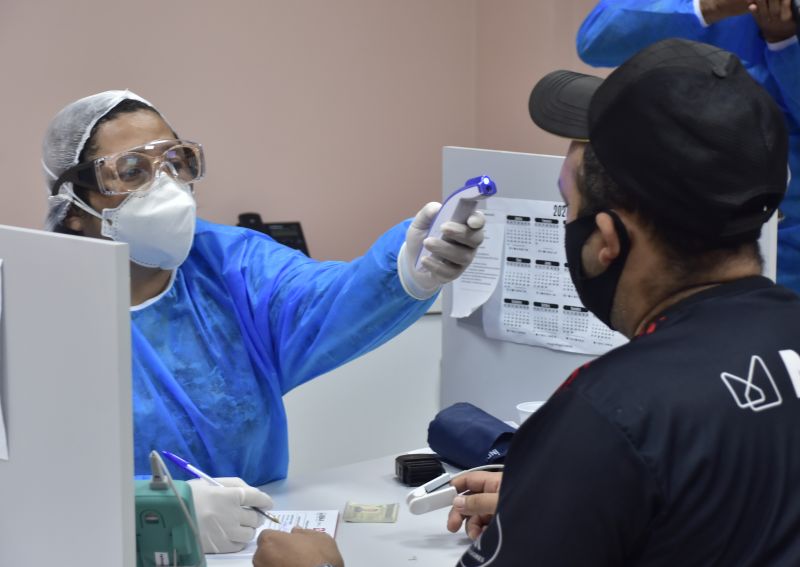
{"x":190,"y":468}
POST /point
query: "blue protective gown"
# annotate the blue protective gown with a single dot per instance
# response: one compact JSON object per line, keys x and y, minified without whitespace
{"x":616,"y":29}
{"x":245,"y":321}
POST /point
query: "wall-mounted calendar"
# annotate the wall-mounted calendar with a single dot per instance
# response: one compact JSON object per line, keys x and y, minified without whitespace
{"x":536,"y":302}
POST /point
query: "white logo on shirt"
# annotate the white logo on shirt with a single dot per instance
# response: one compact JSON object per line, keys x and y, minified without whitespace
{"x":758,"y":391}
{"x":791,"y":360}
{"x":486,"y":548}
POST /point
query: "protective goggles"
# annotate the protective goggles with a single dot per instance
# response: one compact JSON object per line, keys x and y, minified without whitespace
{"x":134,"y":169}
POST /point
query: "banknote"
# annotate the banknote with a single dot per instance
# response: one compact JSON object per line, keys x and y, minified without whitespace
{"x":371,"y":513}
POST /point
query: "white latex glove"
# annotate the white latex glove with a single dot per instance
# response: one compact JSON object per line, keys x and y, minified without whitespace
{"x":225,"y":526}
{"x":450,"y":255}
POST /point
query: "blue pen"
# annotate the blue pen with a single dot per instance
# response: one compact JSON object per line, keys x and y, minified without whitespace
{"x":188,"y":467}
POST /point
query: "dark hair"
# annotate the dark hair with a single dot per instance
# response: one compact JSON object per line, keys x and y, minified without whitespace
{"x":686,"y":252}
{"x":127,"y":106}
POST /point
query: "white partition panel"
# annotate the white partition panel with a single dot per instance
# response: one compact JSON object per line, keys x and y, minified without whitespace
{"x":379,"y":404}
{"x":496,"y":375}
{"x":66,"y":491}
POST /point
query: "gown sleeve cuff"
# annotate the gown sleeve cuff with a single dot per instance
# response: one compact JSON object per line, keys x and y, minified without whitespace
{"x":780,"y":45}
{"x":407,"y":280}
{"x":699,"y":13}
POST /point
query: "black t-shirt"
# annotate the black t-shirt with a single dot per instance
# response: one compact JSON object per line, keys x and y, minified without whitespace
{"x":681,"y":448}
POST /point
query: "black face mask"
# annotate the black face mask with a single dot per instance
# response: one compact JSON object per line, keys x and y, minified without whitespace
{"x":597,"y":293}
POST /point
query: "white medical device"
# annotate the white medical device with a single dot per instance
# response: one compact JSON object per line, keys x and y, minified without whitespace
{"x":438,"y":493}
{"x":458,"y":206}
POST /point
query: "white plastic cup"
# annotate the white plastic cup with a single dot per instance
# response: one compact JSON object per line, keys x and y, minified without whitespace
{"x":527,"y":409}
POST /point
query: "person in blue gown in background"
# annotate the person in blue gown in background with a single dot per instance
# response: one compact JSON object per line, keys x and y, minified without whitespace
{"x":763,"y":33}
{"x":224,"y":320}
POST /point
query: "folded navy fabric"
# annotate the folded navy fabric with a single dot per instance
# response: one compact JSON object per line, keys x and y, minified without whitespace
{"x":467,"y":437}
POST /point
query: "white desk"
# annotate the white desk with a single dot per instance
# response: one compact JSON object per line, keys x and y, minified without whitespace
{"x":412,"y":541}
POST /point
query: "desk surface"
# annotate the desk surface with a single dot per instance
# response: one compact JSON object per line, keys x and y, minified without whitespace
{"x":413,"y":540}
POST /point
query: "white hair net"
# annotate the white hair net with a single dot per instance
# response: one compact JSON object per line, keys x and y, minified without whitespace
{"x":64,"y":141}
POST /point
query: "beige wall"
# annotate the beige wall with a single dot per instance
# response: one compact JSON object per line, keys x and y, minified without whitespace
{"x":523,"y":41}
{"x":329,"y":112}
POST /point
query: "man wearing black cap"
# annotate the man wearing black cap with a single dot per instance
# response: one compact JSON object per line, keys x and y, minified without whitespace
{"x":681,"y":447}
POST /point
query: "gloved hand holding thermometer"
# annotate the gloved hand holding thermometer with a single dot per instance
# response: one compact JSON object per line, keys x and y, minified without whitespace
{"x":442,"y":240}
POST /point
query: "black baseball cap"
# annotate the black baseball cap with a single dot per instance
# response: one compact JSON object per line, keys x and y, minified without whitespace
{"x":683,"y":126}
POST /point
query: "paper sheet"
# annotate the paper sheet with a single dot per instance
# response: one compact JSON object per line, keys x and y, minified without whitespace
{"x":536,"y":303}
{"x":479,"y":280}
{"x":3,"y":439}
{"x":320,"y":520}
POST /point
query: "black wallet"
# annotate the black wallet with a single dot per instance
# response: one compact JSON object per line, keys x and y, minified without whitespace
{"x":417,"y":468}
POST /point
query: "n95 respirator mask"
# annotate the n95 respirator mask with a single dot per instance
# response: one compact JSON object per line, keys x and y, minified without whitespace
{"x":157,"y":224}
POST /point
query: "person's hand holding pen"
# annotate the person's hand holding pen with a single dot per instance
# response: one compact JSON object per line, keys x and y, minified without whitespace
{"x":190,"y":468}
{"x":476,"y":503}
{"x":228,"y":509}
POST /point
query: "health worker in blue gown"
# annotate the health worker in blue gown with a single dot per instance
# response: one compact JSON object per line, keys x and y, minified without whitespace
{"x":763,"y":33}
{"x":224,"y":320}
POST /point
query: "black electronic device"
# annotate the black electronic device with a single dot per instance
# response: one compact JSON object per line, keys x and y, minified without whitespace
{"x":287,"y":233}
{"x":417,"y":468}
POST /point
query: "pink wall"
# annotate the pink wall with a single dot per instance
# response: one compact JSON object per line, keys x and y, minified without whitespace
{"x":332,"y":113}
{"x":523,"y":41}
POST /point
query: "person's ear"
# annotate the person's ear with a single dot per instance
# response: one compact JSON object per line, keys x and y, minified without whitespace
{"x":610,"y":247}
{"x":74,"y":221}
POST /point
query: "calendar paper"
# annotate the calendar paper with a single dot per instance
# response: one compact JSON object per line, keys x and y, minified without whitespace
{"x":535,"y":302}
{"x":479,"y":280}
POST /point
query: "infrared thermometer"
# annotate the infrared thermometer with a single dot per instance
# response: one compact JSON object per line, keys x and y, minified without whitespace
{"x":458,"y":206}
